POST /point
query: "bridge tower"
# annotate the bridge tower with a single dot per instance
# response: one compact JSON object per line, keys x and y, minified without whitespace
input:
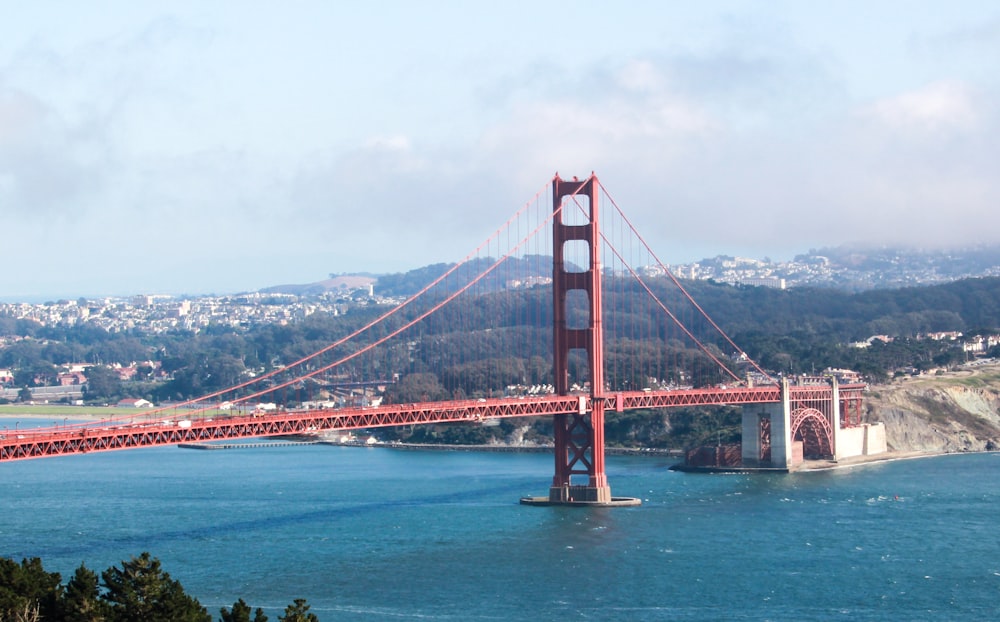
{"x":579,"y":438}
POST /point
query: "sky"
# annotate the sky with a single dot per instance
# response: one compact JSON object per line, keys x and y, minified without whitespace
{"x":217,"y":147}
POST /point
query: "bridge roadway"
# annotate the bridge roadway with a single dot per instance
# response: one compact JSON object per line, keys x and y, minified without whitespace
{"x":175,"y":427}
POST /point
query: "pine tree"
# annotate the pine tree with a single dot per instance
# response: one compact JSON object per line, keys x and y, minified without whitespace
{"x":298,"y":611}
{"x":27,"y":592}
{"x":140,"y":591}
{"x":241,"y":613}
{"x":81,"y":601}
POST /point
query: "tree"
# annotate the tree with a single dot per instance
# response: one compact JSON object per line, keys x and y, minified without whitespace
{"x":298,"y":611}
{"x":81,"y":601}
{"x":102,"y":383}
{"x":27,"y":592}
{"x":241,"y":613}
{"x":140,"y":590}
{"x":419,"y":387}
{"x":144,"y":372}
{"x":196,"y":375}
{"x":24,"y":395}
{"x":38,"y":375}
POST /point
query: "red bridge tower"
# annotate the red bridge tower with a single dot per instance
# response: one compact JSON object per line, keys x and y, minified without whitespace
{"x":579,"y":438}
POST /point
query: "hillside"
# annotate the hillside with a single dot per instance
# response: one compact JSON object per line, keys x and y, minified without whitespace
{"x":334,"y":283}
{"x":956,"y":411}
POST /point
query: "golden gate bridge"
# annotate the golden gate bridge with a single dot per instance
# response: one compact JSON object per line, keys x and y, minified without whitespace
{"x":606,"y":324}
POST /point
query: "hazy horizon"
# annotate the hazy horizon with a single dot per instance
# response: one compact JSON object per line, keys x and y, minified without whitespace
{"x":307,"y":280}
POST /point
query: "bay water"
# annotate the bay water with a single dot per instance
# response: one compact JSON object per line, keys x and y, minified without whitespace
{"x":380,"y":533}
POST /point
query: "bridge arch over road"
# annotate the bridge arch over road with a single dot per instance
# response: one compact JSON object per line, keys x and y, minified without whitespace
{"x":814,"y":430}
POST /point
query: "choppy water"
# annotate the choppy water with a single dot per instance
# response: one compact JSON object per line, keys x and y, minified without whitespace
{"x":381,"y":533}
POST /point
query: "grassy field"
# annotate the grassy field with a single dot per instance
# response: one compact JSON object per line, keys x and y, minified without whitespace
{"x":73,"y":412}
{"x":981,"y":377}
{"x":980,"y":381}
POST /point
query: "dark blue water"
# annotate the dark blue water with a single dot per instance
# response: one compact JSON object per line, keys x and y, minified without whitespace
{"x":381,"y":533}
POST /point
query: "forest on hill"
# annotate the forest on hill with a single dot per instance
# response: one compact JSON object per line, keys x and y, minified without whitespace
{"x":802,"y":329}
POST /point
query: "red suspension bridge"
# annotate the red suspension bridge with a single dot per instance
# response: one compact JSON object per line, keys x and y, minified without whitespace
{"x":605,"y":328}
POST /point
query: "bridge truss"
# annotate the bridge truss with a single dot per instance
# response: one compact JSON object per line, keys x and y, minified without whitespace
{"x":223,"y":426}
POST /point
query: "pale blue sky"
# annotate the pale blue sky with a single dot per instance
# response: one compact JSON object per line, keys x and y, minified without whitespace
{"x":225,"y":146}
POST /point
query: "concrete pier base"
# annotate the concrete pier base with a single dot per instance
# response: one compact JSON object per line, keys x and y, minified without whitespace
{"x":592,"y":494}
{"x":595,"y":496}
{"x":612,"y":502}
{"x":778,"y":416}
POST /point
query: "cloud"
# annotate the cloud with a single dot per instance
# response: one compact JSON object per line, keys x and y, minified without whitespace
{"x":173,"y":142}
{"x":435,"y":202}
{"x":691,"y":173}
{"x":84,"y":118}
{"x":45,"y":165}
{"x":946,"y":106}
{"x":909,"y":169}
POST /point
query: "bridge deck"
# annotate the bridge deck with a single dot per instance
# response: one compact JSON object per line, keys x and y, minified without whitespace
{"x":110,"y":435}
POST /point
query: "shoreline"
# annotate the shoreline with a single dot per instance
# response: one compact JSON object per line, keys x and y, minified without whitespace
{"x":889,"y":456}
{"x":805,"y":467}
{"x":35,"y":416}
{"x":611,"y":451}
{"x":111,"y":413}
{"x":814,"y":466}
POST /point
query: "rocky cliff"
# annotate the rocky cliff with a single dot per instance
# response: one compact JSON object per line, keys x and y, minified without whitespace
{"x":956,"y":411}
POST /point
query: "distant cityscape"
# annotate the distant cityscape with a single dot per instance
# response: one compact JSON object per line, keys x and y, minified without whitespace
{"x":849,"y":268}
{"x":159,"y":314}
{"x":846,"y":268}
